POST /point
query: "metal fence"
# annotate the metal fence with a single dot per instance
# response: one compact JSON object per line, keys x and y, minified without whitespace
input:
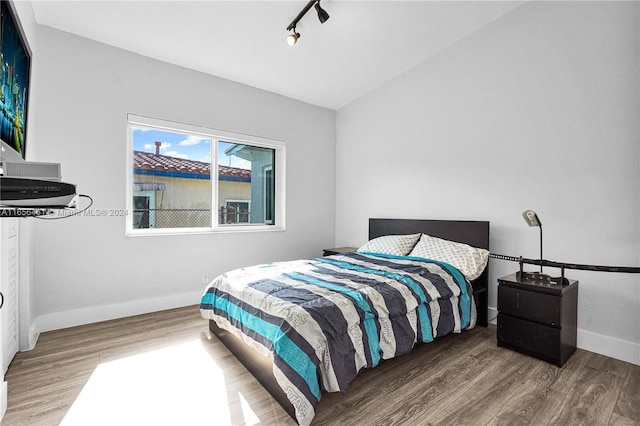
{"x":171,"y":218}
{"x":185,"y":218}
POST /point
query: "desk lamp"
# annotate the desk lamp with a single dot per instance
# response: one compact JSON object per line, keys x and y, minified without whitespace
{"x":532,"y":219}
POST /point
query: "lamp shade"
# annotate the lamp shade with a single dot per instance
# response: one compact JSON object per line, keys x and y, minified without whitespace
{"x":322,"y":14}
{"x":531,"y":218}
{"x":292,"y":38}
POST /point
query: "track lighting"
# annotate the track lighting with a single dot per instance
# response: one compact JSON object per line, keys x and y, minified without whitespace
{"x":292,"y":38}
{"x":322,"y":16}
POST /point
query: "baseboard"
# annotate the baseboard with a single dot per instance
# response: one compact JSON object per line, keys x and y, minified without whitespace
{"x":32,"y":337}
{"x":609,"y":346}
{"x":492,"y":315}
{"x":60,"y":320}
{"x":593,"y":342}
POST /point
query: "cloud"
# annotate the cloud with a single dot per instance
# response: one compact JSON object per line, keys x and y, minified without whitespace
{"x":192,"y":140}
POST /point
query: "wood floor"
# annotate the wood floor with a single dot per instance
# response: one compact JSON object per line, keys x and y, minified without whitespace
{"x":458,"y":380}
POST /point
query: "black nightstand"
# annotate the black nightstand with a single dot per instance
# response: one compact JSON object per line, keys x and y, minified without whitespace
{"x":538,"y":319}
{"x":338,"y":250}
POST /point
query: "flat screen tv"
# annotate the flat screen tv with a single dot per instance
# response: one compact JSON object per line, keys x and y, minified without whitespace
{"x":15,"y":58}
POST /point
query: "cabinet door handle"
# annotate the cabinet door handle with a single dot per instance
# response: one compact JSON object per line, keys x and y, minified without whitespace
{"x":1,"y":300}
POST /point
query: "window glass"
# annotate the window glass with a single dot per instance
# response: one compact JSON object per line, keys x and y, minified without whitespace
{"x":245,"y":189}
{"x":171,"y":179}
{"x":185,"y":178}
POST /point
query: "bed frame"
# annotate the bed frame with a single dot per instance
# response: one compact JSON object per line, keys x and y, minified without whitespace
{"x":474,"y":233}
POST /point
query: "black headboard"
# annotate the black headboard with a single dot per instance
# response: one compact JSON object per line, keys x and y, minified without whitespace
{"x":474,"y":233}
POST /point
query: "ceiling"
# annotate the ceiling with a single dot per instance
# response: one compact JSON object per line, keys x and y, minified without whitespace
{"x":361,"y":46}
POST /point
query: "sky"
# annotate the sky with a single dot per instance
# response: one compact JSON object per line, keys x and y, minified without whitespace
{"x":182,"y":145}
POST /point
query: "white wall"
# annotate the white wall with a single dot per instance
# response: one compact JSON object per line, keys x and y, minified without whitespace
{"x":537,"y":110}
{"x":86,"y":269}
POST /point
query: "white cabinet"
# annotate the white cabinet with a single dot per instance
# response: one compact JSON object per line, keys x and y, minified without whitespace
{"x":9,"y":267}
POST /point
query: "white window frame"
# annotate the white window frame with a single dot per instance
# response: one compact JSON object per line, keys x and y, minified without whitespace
{"x":134,"y":121}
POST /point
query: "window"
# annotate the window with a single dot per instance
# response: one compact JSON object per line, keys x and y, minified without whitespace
{"x":170,"y":188}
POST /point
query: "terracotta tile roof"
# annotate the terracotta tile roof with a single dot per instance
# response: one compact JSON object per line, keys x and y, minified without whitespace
{"x":233,"y":172}
{"x":148,"y":161}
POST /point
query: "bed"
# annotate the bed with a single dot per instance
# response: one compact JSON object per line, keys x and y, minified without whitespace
{"x":305,"y":327}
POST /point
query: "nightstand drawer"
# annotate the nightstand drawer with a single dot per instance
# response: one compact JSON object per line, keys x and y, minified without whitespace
{"x":529,"y":337}
{"x":530,"y":305}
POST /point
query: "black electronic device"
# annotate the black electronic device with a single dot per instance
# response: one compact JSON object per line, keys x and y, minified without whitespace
{"x":14,"y":85}
{"x":36,"y":193}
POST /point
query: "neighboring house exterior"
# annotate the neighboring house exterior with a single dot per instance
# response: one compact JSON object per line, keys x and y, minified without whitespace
{"x":171,"y":192}
{"x":262,"y":180}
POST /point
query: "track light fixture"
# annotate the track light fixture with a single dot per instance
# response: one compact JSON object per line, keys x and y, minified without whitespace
{"x":292,"y":38}
{"x":322,"y":16}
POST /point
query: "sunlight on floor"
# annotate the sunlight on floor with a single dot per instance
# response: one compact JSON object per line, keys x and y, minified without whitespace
{"x":181,"y":384}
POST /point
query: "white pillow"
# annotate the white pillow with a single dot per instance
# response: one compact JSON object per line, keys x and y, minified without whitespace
{"x":469,"y":260}
{"x":398,"y":245}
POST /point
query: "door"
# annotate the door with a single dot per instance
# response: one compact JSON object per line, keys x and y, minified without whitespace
{"x":144,"y":214}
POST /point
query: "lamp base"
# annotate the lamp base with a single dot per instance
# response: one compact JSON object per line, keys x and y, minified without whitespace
{"x":533,"y":277}
{"x":540,"y":278}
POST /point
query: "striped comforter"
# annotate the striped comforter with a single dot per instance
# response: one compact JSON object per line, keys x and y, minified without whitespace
{"x":324,"y":319}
